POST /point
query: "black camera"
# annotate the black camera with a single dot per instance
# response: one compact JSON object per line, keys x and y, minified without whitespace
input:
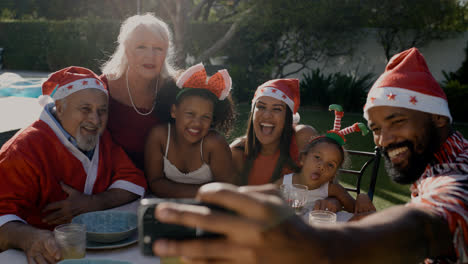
{"x":151,"y":229}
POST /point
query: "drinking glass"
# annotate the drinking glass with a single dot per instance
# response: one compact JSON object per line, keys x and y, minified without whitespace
{"x":321,"y":217}
{"x":71,"y":238}
{"x":295,"y":195}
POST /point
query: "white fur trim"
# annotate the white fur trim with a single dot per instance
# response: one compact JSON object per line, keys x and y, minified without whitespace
{"x":188,"y":73}
{"x":275,"y":93}
{"x":92,"y":171}
{"x":44,"y":100}
{"x":89,"y":166}
{"x":227,"y":84}
{"x":128,"y":186}
{"x":10,"y":217}
{"x":78,"y":85}
{"x":405,"y":98}
{"x":296,"y":118}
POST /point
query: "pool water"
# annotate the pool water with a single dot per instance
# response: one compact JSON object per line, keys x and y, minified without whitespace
{"x":12,"y":84}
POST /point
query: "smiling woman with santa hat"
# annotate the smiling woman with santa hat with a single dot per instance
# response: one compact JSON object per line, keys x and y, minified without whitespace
{"x":273,"y":139}
{"x":141,"y":81}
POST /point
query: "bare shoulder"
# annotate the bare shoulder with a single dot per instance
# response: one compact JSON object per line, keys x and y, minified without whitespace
{"x":214,"y":140}
{"x":238,"y":143}
{"x":304,"y":133}
{"x":116,"y":89}
{"x":237,"y":150}
{"x":158,"y":133}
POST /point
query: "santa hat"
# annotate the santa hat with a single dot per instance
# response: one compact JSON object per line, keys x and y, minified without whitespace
{"x":286,"y":90}
{"x":67,"y":81}
{"x":408,"y":83}
{"x":195,"y":77}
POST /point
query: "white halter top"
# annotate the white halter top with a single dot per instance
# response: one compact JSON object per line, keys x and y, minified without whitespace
{"x":198,"y":176}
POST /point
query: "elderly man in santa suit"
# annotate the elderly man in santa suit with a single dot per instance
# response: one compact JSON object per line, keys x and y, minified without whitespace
{"x":62,"y":165}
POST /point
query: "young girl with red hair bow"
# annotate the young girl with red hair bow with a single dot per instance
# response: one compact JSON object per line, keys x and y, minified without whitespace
{"x":187,"y":152}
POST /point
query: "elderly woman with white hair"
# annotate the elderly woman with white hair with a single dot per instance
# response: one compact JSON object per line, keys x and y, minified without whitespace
{"x":141,"y":81}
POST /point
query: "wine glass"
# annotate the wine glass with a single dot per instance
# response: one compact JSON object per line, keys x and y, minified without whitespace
{"x":295,"y":195}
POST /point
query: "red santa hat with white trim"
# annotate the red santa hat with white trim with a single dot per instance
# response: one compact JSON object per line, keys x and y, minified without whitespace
{"x":67,"y":81}
{"x":408,"y":83}
{"x":286,"y":90}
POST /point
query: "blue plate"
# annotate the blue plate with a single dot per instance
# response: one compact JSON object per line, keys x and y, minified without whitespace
{"x":92,"y":261}
{"x":108,"y":226}
{"x":122,"y":243}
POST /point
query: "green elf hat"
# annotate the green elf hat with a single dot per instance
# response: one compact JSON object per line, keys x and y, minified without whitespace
{"x":337,"y":133}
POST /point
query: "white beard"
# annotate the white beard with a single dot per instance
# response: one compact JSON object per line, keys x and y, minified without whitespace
{"x":86,"y":143}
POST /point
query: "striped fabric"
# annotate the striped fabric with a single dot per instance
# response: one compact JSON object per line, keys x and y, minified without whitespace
{"x":337,"y":123}
{"x":443,"y":188}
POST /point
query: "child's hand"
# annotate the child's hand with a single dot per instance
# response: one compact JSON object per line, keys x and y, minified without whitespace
{"x":363,"y":204}
{"x":363,"y":207}
{"x":329,"y":204}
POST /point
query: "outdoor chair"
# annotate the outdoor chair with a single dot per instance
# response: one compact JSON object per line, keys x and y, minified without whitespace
{"x":5,"y":136}
{"x":370,"y":158}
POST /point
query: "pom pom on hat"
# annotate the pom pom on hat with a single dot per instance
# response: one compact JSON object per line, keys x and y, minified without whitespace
{"x":408,"y":83}
{"x":66,"y":81}
{"x":43,"y":100}
{"x":286,"y":90}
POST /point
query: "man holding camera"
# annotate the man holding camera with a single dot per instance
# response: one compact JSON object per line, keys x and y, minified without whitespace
{"x":409,"y":116}
{"x":62,"y":165}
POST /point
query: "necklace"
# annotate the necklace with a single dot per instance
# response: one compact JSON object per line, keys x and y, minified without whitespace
{"x":131,"y":99}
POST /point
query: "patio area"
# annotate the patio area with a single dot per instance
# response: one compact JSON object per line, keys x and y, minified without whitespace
{"x":18,"y":112}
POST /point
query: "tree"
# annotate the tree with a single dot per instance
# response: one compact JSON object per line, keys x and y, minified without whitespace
{"x":184,"y":12}
{"x":402,"y":24}
{"x":281,"y":33}
{"x":70,"y":9}
{"x":310,"y":31}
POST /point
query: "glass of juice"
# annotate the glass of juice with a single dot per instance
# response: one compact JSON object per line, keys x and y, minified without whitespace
{"x":71,"y":238}
{"x":321,"y":217}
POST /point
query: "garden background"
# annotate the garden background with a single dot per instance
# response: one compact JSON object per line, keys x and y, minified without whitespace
{"x":257,"y":40}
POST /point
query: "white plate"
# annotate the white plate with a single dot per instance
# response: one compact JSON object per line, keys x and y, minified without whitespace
{"x":128,"y":241}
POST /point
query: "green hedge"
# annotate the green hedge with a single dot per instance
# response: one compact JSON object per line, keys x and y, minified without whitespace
{"x":52,"y":45}
{"x":23,"y":44}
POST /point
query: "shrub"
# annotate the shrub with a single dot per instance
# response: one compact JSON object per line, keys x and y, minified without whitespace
{"x":315,"y":87}
{"x":81,"y":43}
{"x":318,"y":89}
{"x":52,"y":45}
{"x":350,"y":91}
{"x":461,"y":74}
{"x":457,"y":95}
{"x":456,"y":89}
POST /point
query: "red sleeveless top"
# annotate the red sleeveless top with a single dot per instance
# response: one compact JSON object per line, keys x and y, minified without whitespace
{"x":264,"y":166}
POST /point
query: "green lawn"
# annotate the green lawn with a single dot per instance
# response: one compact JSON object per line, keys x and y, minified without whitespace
{"x":387,"y":193}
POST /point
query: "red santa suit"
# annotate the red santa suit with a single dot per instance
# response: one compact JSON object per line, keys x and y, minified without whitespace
{"x":39,"y":157}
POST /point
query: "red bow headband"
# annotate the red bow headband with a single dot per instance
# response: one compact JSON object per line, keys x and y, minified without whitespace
{"x":338,"y":134}
{"x":195,"y":77}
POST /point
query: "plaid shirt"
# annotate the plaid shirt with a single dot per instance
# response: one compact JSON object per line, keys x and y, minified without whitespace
{"x":443,"y":188}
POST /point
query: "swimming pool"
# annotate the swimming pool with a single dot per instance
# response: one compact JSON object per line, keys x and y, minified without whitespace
{"x":12,"y":84}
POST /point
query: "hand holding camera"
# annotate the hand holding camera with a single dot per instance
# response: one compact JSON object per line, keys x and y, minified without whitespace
{"x":151,"y":229}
